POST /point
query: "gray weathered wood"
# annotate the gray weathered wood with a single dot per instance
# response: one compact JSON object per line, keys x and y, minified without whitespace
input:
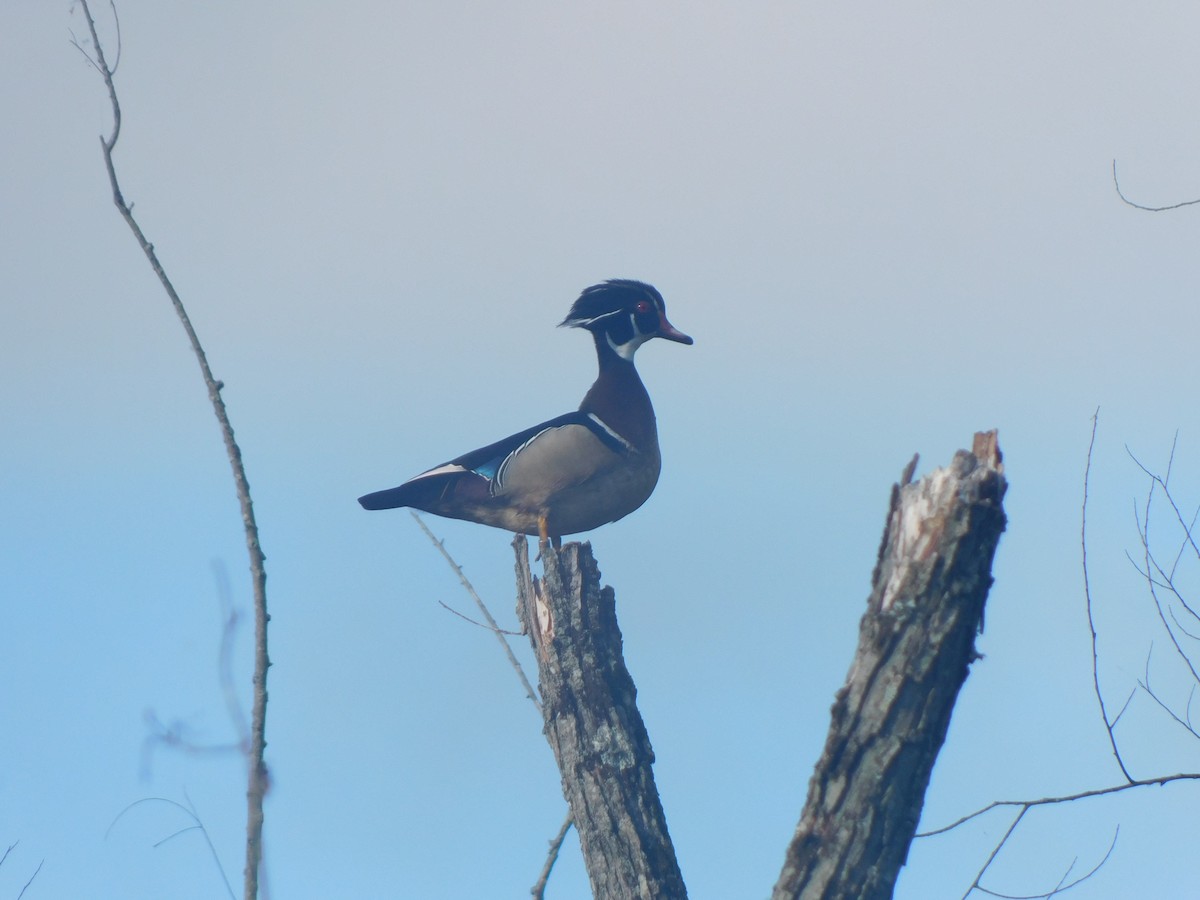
{"x":593,"y":726}
{"x":916,"y":642}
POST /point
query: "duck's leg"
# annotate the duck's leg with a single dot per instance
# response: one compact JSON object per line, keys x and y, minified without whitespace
{"x":544,"y":535}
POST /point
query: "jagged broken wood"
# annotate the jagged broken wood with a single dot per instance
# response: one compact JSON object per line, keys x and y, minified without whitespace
{"x":594,"y":727}
{"x":916,"y":642}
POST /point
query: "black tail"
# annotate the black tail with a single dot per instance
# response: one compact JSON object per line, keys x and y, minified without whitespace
{"x":421,"y":493}
{"x":392,"y":498}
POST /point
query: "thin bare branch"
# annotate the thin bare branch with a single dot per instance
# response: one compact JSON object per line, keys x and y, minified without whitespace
{"x":1062,"y":882}
{"x":1065,"y":798}
{"x":258,"y":780}
{"x":975,"y":885}
{"x":539,"y":890}
{"x":171,"y":837}
{"x":1063,"y":886}
{"x":1182,"y":723}
{"x":112,"y":5}
{"x":31,"y":877}
{"x":1087,"y":593}
{"x":1179,"y":625}
{"x":1145,"y":686}
{"x":487,"y":615}
{"x":1124,"y":706}
{"x":1162,"y":482}
{"x":1137,"y":566}
{"x":1128,"y":202}
{"x":78,"y":46}
{"x":1151,"y":565}
{"x":450,"y":609}
{"x":197,"y":824}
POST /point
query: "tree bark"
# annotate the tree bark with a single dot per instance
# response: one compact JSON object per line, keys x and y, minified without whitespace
{"x":594,"y":727}
{"x":916,"y":642}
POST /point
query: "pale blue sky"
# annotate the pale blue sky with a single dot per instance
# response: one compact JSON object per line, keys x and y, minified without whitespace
{"x":886,"y":226}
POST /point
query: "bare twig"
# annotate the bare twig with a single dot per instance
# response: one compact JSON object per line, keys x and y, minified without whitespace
{"x":1129,"y":202}
{"x":1164,"y":483}
{"x":1066,"y":798}
{"x":1182,"y":723}
{"x":1124,"y":706}
{"x":487,"y":615}
{"x":501,"y":634}
{"x":539,"y":890}
{"x":1087,"y":593}
{"x":1180,"y":625}
{"x":30,"y":881}
{"x":197,"y":825}
{"x":1063,"y":885}
{"x":1150,"y":563}
{"x":1188,"y":540}
{"x":995,"y":852}
{"x":454,"y":612}
{"x":258,"y":780}
{"x":11,"y":848}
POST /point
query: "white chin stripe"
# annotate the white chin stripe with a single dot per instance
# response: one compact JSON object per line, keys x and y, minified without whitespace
{"x":627,"y":349}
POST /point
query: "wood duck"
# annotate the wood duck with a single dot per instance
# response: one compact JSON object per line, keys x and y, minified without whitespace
{"x":579,"y":470}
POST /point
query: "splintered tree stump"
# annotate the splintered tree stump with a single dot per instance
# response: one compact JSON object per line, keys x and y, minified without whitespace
{"x":916,"y":642}
{"x":594,"y":727}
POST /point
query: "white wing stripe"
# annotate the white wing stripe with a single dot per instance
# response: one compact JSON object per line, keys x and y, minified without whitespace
{"x":448,"y":469}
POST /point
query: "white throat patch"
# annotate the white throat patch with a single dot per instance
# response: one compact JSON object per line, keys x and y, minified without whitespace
{"x":627,"y":349}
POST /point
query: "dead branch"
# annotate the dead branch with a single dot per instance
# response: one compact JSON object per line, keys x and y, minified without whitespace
{"x":197,"y":825}
{"x":916,"y":642}
{"x":1062,"y":886}
{"x":1064,"y":798}
{"x":1128,"y":202}
{"x":258,"y":780}
{"x":30,"y":881}
{"x":1109,"y":723}
{"x":594,"y":727}
{"x":491,"y":621}
{"x":539,"y":889}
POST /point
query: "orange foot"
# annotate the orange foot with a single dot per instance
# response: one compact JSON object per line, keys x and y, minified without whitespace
{"x":544,"y":535}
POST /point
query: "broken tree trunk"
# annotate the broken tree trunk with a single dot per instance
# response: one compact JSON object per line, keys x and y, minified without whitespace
{"x":916,"y":642}
{"x":594,"y":727}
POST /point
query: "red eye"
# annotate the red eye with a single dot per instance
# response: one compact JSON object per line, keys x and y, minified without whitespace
{"x":643,"y":306}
